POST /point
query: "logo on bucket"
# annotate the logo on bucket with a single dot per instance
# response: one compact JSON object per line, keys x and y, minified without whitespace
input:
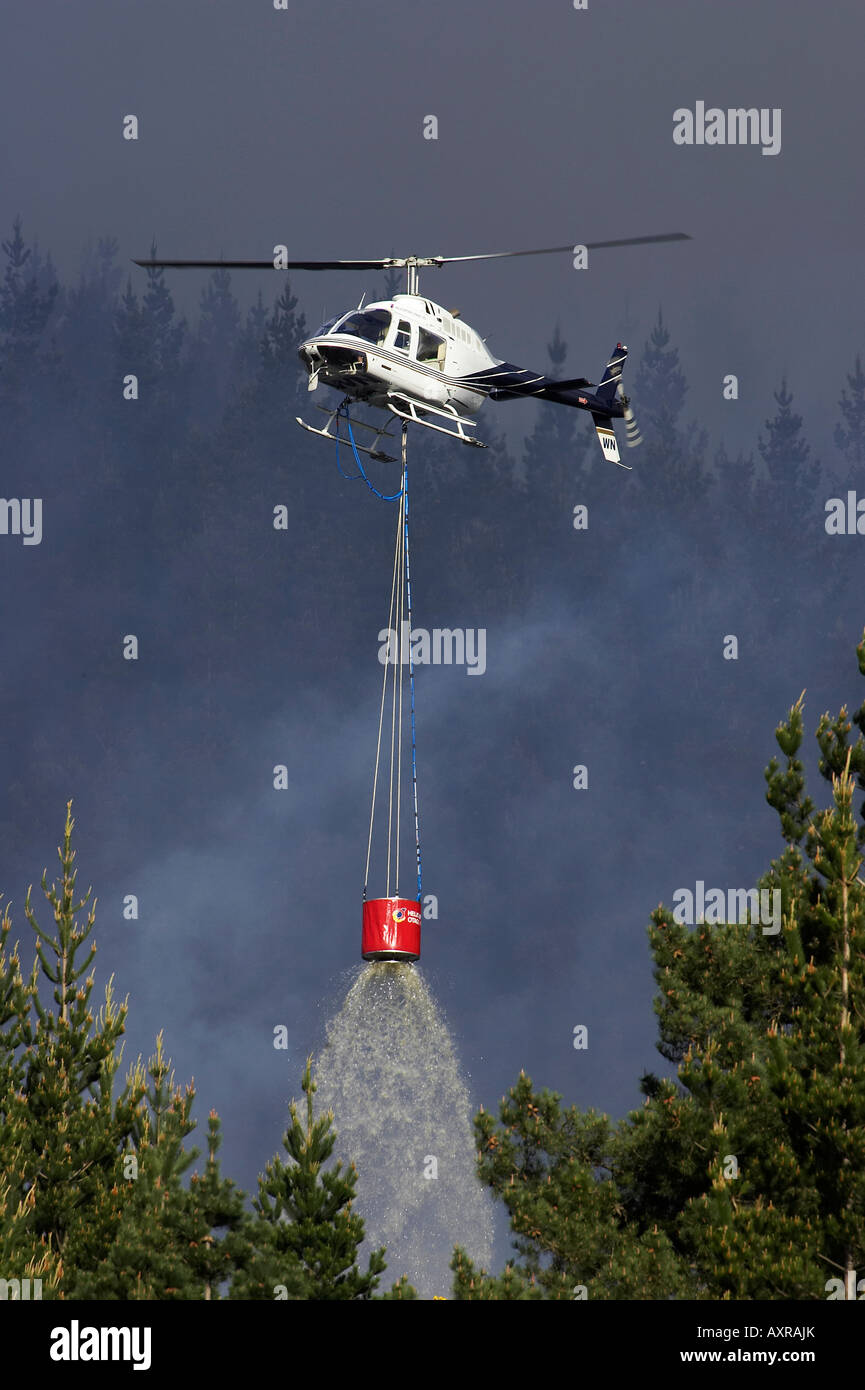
{"x":399,"y":914}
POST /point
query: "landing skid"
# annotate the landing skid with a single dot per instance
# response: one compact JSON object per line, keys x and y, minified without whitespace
{"x":408,"y":409}
{"x":373,"y":449}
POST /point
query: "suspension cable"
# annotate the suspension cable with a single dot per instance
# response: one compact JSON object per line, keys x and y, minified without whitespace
{"x":396,"y":670}
{"x":402,"y":637}
{"x":399,"y":623}
{"x":381,"y":713}
{"x":410,"y":661}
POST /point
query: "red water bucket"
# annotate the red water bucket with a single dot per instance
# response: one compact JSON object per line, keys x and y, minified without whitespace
{"x":391,"y":929}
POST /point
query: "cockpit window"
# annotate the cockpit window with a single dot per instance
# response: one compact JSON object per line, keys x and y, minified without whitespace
{"x":371,"y":326}
{"x":326,"y":327}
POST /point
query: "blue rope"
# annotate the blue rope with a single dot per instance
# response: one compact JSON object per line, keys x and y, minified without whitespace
{"x":411,"y":685}
{"x":360,"y":473}
{"x":350,"y":476}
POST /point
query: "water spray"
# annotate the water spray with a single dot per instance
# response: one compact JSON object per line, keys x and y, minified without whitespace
{"x":389,"y":1070}
{"x":403,"y":1114}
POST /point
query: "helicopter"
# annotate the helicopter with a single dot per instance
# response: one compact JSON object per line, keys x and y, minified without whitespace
{"x":422,"y":364}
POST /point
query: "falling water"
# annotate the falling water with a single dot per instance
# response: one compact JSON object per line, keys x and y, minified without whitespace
{"x":390,"y":1074}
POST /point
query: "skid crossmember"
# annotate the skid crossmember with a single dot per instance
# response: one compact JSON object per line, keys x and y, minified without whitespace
{"x":408,"y":409}
{"x":371,"y":449}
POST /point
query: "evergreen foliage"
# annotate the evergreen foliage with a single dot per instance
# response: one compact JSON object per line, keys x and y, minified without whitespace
{"x":789,"y":489}
{"x":850,"y":436}
{"x":96,"y":1194}
{"x":308,"y":1236}
{"x":62,"y":1115}
{"x":26,"y":355}
{"x":743,"y":1178}
{"x":559,"y":448}
{"x":672,"y":467}
{"x":553,"y":1168}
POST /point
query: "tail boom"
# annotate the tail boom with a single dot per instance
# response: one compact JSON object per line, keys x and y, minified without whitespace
{"x":605,"y":402}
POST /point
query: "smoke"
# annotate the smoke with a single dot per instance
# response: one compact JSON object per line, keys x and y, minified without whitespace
{"x":390,"y":1074}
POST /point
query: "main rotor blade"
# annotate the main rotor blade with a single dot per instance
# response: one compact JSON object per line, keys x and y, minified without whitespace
{"x":552,"y":250}
{"x":268,"y":265}
{"x":398,"y":262}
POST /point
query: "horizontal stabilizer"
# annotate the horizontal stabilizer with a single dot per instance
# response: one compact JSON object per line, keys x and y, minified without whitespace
{"x":574,"y":382}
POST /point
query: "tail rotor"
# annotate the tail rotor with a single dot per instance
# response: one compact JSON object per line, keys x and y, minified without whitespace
{"x":632,"y":429}
{"x":612,"y":398}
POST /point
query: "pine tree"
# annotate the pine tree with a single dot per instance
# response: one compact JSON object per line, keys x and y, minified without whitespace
{"x":570,"y":1228}
{"x":148,"y":344}
{"x":170,"y":1242}
{"x":745,"y":1176}
{"x":250,"y":340}
{"x":130,"y":347}
{"x":92,"y":1198}
{"x":473,"y":1285}
{"x":24,"y":306}
{"x":557,"y":449}
{"x":284,"y":331}
{"x":15,"y":997}
{"x":216,"y":351}
{"x":262,"y":416}
{"x":85,"y":336}
{"x":25,"y":310}
{"x":728,"y":546}
{"x":307,"y":1235}
{"x":62,"y":1124}
{"x":166,"y":333}
{"x":850,"y":437}
{"x":132,"y":356}
{"x":788,"y":494}
{"x":22,"y":1254}
{"x":215,"y":1204}
{"x":672,"y":480}
{"x":393,"y":283}
{"x":734,"y":478}
{"x":671,"y":464}
{"x":145,"y":1260}
{"x":754,"y":1163}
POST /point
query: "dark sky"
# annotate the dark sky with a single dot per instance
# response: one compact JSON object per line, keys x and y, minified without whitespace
{"x":305,"y":127}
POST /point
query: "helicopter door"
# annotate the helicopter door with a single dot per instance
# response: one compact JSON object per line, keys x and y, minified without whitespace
{"x":431,"y":349}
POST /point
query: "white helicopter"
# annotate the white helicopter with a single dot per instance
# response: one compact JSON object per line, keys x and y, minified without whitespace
{"x":422,"y":364}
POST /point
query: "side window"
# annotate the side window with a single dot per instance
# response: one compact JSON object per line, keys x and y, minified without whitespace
{"x":430,"y":348}
{"x":403,"y":336}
